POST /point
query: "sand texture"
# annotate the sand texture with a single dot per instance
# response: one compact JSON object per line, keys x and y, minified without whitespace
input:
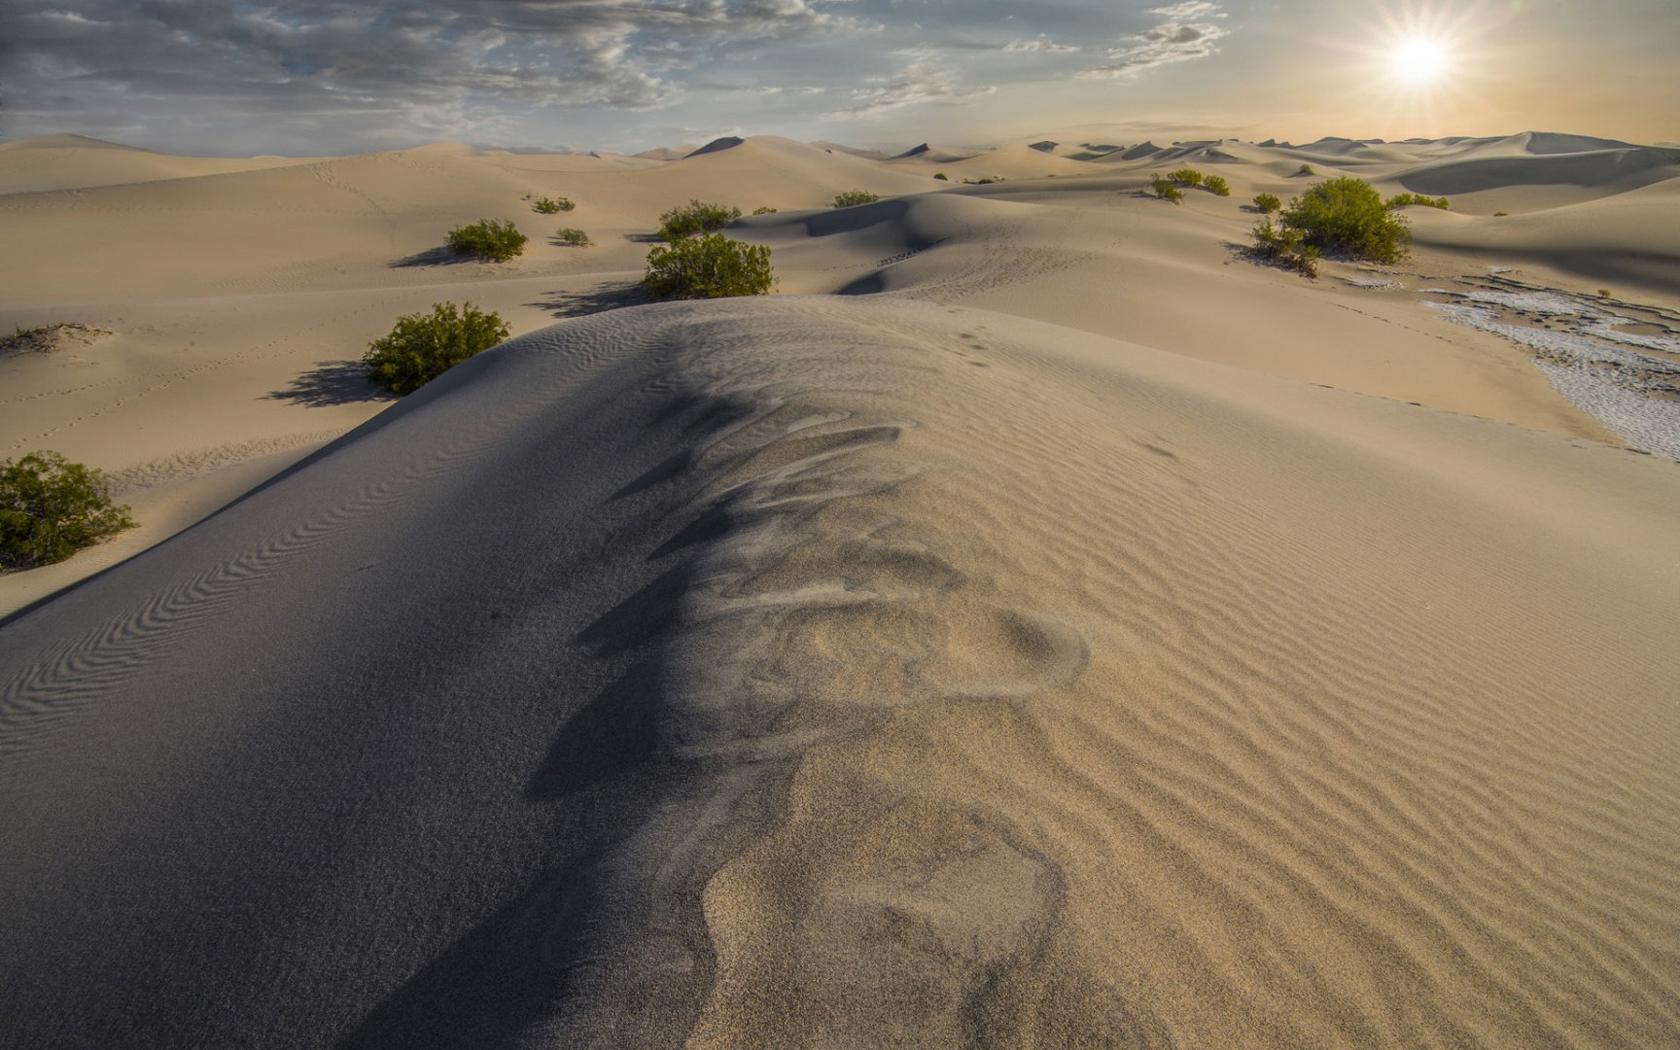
{"x":1074,"y":635}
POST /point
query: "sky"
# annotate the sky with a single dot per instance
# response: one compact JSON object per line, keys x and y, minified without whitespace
{"x":320,"y":77}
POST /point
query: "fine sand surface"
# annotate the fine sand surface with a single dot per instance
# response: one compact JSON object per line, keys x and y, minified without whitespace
{"x":1072,"y":635}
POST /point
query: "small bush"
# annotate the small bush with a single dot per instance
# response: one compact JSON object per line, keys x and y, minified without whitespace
{"x":1407,"y":200}
{"x":852,"y":198}
{"x":1216,"y":185}
{"x":708,"y":267}
{"x":941,"y":176}
{"x":421,"y":347}
{"x":496,"y":240}
{"x":987,"y":181}
{"x":1500,"y":214}
{"x":1186,"y":177}
{"x":50,"y":509}
{"x":1286,"y":247}
{"x":553,"y":205}
{"x":1266,"y":203}
{"x":572,"y":235}
{"x":695,"y":217}
{"x":1305,"y":169}
{"x":1347,"y":216}
{"x":764,"y":210}
{"x":1605,"y":293}
{"x":1165,"y":189}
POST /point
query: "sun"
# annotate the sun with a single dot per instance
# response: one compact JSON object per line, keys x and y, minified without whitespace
{"x":1419,"y":60}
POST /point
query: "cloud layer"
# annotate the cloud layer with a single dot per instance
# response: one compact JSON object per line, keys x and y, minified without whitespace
{"x":323,"y":75}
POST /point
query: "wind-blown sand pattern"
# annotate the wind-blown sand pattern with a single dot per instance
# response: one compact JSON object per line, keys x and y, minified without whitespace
{"x":857,"y":673}
{"x":1072,"y":637}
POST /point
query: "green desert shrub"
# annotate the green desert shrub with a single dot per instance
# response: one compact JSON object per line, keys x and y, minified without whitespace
{"x":764,"y":210}
{"x":1186,"y":177}
{"x":1407,"y":200}
{"x":571,"y":235}
{"x":849,"y":198}
{"x":708,"y":267}
{"x":1165,"y":189}
{"x":1216,"y":185}
{"x":421,"y":347}
{"x":1305,"y":169}
{"x":496,"y":240}
{"x":695,"y":217}
{"x":1286,"y":247}
{"x":553,"y":205}
{"x":1266,"y":203}
{"x":941,"y":176}
{"x":1346,"y":216}
{"x":51,"y":508}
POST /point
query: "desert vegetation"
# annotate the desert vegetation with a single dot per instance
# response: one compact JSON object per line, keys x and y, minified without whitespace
{"x":494,"y":240}
{"x":1165,"y":189}
{"x":553,"y":205}
{"x":1305,"y":169}
{"x":1342,"y":216}
{"x":941,"y":176}
{"x":1286,"y":247}
{"x":51,"y":508}
{"x":1408,"y":200}
{"x":850,"y":198}
{"x":420,"y":347}
{"x":764,"y":210}
{"x":708,"y":267}
{"x":695,"y":217}
{"x":1216,"y":185}
{"x":573,"y":236}
{"x":1186,"y":177}
{"x":1267,"y":203}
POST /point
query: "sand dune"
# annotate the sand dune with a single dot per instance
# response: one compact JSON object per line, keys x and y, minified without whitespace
{"x":1038,"y":626}
{"x":73,"y":162}
{"x":864,"y":670}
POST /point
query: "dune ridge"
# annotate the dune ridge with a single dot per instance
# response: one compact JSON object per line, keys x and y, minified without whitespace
{"x":850,"y":670}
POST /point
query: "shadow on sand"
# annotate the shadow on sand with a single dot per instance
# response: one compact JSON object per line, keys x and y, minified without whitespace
{"x":609,"y":296}
{"x":331,"y":383}
{"x":440,"y":256}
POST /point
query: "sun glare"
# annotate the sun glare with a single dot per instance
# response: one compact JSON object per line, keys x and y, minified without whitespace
{"x":1422,"y":66}
{"x":1419,"y":61}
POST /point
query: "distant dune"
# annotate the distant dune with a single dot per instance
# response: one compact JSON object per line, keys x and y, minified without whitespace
{"x":1039,"y":624}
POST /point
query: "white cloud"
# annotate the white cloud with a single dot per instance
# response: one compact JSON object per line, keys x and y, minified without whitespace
{"x":918,"y":83}
{"x":1188,"y":9}
{"x":1169,"y":42}
{"x":1039,"y":43}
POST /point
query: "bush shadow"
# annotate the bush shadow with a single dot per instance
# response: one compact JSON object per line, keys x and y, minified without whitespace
{"x":595,"y":300}
{"x":439,"y":256}
{"x":331,"y":383}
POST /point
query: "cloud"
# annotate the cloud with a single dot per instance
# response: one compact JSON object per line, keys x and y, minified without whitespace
{"x":1175,"y":40}
{"x":1039,"y":43}
{"x":425,"y":65}
{"x":918,"y":83}
{"x":1188,"y":9}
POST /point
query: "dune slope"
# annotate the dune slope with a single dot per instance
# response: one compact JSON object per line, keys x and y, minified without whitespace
{"x":856,"y":672}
